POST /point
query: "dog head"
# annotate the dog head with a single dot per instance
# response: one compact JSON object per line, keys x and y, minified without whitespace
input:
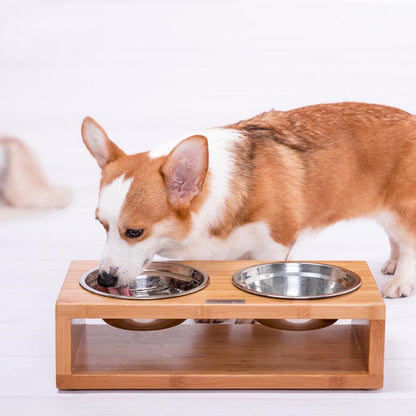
{"x":144,"y":202}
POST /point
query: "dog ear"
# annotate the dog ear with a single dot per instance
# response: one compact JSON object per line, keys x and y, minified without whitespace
{"x":184,"y":171}
{"x":98,"y":143}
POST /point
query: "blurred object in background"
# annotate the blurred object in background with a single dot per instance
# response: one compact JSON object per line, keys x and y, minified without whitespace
{"x":22,"y":182}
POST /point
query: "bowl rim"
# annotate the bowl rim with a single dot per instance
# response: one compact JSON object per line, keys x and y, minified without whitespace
{"x":355,"y":286}
{"x":204,"y":284}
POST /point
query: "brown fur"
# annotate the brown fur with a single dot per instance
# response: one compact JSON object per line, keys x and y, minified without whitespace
{"x":301,"y":169}
{"x":146,"y":204}
{"x":324,"y":163}
{"x":304,"y":168}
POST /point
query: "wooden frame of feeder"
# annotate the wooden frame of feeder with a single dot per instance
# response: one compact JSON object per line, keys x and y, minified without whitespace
{"x":220,"y":356}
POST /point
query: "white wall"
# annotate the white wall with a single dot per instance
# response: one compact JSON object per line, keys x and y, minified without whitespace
{"x":148,"y":64}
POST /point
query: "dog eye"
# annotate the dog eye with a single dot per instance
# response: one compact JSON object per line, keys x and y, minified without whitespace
{"x":130,"y":233}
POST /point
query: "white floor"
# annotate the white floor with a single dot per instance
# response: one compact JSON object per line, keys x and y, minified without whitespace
{"x":152,"y":70}
{"x":36,"y":249}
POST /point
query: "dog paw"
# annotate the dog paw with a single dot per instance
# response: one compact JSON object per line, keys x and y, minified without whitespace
{"x":397,"y":288}
{"x":244,"y":321}
{"x":389,"y":266}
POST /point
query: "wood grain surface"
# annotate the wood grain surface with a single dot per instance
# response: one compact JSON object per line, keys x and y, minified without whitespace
{"x":207,"y":356}
{"x":364,"y":303}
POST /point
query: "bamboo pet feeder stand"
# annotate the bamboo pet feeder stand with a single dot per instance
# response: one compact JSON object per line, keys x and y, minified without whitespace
{"x":219,"y":356}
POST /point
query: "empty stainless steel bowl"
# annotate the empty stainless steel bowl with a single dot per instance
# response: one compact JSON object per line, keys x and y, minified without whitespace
{"x":292,"y":280}
{"x":160,"y":281}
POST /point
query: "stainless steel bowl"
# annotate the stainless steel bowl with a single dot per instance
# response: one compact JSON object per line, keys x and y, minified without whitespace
{"x":160,"y":281}
{"x":293,"y":280}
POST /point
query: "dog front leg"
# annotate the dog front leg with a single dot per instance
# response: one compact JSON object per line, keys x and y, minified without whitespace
{"x":404,"y":278}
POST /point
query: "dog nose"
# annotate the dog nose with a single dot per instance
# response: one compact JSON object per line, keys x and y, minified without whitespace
{"x":106,"y":279}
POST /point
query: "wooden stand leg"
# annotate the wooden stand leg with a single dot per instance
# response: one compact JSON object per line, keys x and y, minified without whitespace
{"x":370,"y":338}
{"x":68,"y":338}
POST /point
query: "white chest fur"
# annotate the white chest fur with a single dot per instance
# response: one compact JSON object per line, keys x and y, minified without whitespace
{"x":251,"y":241}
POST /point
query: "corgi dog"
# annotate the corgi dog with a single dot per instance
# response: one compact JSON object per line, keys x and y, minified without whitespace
{"x":248,"y":190}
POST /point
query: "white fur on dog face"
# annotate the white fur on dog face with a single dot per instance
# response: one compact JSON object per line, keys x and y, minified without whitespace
{"x":123,"y":259}
{"x":112,"y":198}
